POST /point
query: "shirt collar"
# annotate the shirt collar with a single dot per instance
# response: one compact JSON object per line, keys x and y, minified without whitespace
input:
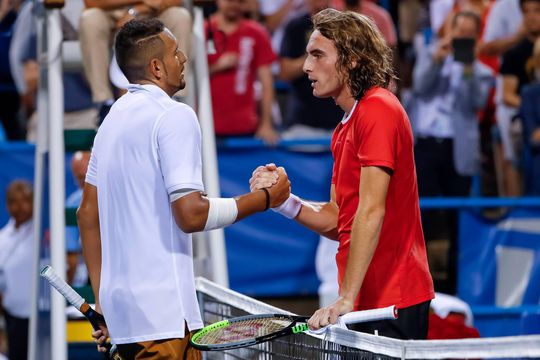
{"x":346,"y":117}
{"x":153,"y":89}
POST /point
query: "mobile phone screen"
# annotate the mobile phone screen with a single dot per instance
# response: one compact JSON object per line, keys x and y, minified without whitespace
{"x":464,"y":50}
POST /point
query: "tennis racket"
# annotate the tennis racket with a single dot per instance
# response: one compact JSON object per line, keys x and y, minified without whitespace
{"x":95,"y":318}
{"x":254,"y":329}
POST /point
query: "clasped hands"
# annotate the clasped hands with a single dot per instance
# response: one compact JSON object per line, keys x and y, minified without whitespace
{"x":275,"y":180}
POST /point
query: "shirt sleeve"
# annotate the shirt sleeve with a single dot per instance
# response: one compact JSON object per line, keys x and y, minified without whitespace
{"x":91,"y":173}
{"x":179,"y":149}
{"x":377,"y":135}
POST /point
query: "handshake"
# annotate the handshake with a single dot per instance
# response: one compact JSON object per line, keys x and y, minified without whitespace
{"x":275,"y":180}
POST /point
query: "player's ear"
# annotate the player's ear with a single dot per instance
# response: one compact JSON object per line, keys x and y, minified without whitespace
{"x":156,"y":68}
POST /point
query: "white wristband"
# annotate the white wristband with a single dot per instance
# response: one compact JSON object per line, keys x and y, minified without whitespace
{"x":222,"y":212}
{"x":290,"y":208}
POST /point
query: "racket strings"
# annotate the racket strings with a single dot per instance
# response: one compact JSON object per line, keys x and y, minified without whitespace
{"x":244,"y":330}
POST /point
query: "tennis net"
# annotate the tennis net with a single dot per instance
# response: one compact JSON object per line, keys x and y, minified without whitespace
{"x":218,"y":303}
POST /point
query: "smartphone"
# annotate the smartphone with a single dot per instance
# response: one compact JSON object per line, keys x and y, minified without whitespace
{"x":464,"y":49}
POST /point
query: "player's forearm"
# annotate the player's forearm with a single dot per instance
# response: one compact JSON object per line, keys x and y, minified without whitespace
{"x":320,"y":218}
{"x":193,"y":212}
{"x":91,"y":247}
{"x":250,"y":204}
{"x":364,"y":239}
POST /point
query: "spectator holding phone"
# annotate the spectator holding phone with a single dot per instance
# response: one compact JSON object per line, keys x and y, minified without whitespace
{"x":450,"y":86}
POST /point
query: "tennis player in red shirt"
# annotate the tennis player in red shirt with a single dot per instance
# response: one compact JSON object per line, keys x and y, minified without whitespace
{"x":373,"y":211}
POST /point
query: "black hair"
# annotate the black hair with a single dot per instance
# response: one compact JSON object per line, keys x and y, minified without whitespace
{"x":136,"y":43}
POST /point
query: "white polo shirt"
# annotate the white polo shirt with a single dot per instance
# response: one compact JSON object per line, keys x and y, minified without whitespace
{"x":148,"y":146}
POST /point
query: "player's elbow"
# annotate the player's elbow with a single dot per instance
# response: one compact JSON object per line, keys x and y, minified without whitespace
{"x":190,"y":222}
{"x":190,"y":213}
{"x":190,"y":225}
{"x":372,"y":215}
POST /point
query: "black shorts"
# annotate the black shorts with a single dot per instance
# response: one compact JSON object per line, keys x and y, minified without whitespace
{"x":411,"y":324}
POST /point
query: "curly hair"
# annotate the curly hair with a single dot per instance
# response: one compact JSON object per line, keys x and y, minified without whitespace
{"x":364,"y":58}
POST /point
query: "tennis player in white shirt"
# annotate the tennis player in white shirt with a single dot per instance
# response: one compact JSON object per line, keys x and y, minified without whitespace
{"x":143,"y":197}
